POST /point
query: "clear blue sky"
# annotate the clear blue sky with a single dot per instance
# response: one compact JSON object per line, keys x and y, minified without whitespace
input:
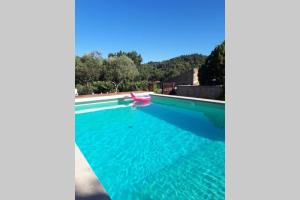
{"x":157,"y":29}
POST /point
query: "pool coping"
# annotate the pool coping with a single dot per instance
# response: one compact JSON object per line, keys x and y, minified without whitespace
{"x":190,"y":98}
{"x":117,"y":96}
{"x":87,"y":185}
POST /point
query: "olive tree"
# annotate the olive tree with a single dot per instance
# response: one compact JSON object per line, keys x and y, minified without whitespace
{"x":88,"y":68}
{"x":120,"y":69}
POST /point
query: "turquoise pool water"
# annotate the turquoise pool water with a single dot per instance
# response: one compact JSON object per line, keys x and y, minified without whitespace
{"x":170,"y":149}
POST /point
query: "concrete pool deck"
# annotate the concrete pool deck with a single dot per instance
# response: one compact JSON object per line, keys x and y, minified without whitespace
{"x":87,"y":185}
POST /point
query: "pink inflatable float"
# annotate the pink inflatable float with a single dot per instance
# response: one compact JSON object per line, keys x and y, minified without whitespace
{"x":146,"y":99}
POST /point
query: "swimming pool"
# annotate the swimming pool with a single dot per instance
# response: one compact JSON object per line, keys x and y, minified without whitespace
{"x":170,"y":149}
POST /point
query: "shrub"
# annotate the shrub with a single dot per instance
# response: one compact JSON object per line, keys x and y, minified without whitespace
{"x":103,"y":86}
{"x":142,"y":85}
{"x":127,"y":86}
{"x":107,"y":86}
{"x":133,"y":86}
{"x":157,"y":88}
{"x":84,"y":89}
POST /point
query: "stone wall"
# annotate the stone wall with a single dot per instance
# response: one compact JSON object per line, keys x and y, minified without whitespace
{"x":188,"y":78}
{"x":207,"y":92}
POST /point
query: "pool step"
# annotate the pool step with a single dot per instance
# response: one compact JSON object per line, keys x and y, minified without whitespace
{"x":101,"y":108}
{"x":101,"y":105}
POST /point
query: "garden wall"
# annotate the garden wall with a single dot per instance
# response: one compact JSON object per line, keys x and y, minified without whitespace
{"x":207,"y":92}
{"x":187,"y":78}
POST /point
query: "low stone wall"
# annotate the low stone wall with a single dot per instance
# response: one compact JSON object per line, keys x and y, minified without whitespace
{"x":207,"y":92}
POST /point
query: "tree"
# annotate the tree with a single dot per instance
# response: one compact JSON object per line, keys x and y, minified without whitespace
{"x":123,"y":67}
{"x":133,"y":55}
{"x":167,"y":69}
{"x":88,"y":68}
{"x":120,"y":69}
{"x":213,"y":70}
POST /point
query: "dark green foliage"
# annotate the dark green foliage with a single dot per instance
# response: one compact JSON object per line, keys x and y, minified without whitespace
{"x":85,"y":89}
{"x":213,"y":71}
{"x":157,"y":87}
{"x":133,"y":55}
{"x":120,"y":69}
{"x":88,"y":68}
{"x":102,"y":86}
{"x":149,"y":72}
{"x":161,"y":71}
{"x":134,"y":86}
{"x":123,"y":71}
{"x":98,"y":87}
{"x":142,"y":85}
{"x":122,"y":66}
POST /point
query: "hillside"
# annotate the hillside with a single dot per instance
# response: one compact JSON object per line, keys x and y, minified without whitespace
{"x":170,"y":68}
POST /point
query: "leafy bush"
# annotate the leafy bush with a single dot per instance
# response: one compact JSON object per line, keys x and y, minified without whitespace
{"x":127,"y":86}
{"x":133,"y":86}
{"x":157,"y":88}
{"x":84,"y":89}
{"x":98,"y":87}
{"x":103,"y":86}
{"x":142,"y":85}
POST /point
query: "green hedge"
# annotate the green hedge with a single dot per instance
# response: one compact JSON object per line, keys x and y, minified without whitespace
{"x":103,"y":86}
{"x":132,"y":86}
{"x":98,"y":87}
{"x":85,"y":89}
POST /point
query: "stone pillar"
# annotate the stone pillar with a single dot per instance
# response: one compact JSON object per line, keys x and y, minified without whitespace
{"x":195,"y":76}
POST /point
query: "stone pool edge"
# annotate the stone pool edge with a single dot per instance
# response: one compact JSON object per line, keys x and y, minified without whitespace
{"x":85,"y":99}
{"x":189,"y":98}
{"x":87,"y":185}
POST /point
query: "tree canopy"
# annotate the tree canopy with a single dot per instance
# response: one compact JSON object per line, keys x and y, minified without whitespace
{"x":213,"y":70}
{"x":125,"y":70}
{"x":161,"y":71}
{"x":133,"y":55}
{"x":88,"y":68}
{"x":92,"y":67}
{"x":120,"y":69}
